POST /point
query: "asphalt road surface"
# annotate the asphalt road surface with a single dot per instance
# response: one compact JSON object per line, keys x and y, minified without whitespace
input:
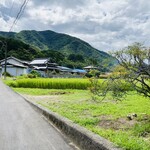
{"x":22,"y":128}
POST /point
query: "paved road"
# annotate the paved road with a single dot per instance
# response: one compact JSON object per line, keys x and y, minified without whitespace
{"x":22,"y":128}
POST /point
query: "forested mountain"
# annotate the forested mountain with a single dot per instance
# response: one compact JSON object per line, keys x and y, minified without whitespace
{"x":17,"y":49}
{"x":27,"y":52}
{"x":72,"y":51}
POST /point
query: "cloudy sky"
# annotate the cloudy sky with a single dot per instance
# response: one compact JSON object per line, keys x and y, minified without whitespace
{"x":105,"y":24}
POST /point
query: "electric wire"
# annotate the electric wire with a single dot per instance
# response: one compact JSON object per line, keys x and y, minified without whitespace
{"x":21,"y":10}
{"x":4,"y":43}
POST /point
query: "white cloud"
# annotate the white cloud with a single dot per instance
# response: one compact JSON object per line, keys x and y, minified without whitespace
{"x":105,"y":24}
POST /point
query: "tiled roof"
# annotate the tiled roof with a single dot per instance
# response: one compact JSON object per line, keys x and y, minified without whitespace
{"x":39,"y":61}
{"x":90,"y":67}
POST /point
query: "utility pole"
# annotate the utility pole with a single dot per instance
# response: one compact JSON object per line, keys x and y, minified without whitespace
{"x":5,"y":68}
{"x":4,"y":47}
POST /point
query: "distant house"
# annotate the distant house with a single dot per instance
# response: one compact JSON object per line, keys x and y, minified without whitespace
{"x":88,"y":68}
{"x":43,"y":66}
{"x":64,"y":69}
{"x":48,"y":69}
{"x":79,"y":71}
{"x":15,"y":67}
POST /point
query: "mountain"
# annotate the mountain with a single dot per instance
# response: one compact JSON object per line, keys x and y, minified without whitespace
{"x":18,"y":49}
{"x":63,"y":43}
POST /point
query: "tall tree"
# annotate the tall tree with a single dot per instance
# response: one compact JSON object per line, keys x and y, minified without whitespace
{"x":135,"y":59}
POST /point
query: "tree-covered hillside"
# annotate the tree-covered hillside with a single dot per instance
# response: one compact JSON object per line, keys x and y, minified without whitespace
{"x":70,"y":48}
{"x":18,"y":49}
{"x":27,"y":52}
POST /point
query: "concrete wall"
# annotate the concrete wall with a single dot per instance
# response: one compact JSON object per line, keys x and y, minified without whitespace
{"x":15,"y":71}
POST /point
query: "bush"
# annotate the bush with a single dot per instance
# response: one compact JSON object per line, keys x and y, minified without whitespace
{"x":31,"y":76}
{"x":88,"y":75}
{"x":7,"y":74}
{"x":92,"y":73}
{"x":11,"y":83}
{"x":35,"y":74}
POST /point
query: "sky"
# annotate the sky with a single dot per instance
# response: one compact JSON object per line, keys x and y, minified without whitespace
{"x":107,"y":25}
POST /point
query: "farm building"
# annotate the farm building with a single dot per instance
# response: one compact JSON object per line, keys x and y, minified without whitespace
{"x":15,"y":67}
{"x":88,"y":68}
{"x":43,"y":66}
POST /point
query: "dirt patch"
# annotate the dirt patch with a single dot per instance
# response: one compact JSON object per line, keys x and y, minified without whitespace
{"x":108,"y":122}
{"x":59,"y":93}
{"x":41,"y":98}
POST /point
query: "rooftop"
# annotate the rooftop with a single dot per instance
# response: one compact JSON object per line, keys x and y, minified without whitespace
{"x":39,"y":61}
{"x":90,"y":67}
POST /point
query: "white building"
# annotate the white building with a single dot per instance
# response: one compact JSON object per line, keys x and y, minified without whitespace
{"x":15,"y":67}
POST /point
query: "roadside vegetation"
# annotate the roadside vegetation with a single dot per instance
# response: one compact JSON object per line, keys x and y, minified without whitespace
{"x":117,"y":108}
{"x":108,"y":118}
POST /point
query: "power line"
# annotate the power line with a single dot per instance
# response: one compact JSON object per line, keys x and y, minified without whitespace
{"x":4,"y":44}
{"x":22,"y":8}
{"x":17,"y":15}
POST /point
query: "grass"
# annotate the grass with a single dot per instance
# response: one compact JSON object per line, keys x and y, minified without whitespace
{"x":106,"y":118}
{"x":60,"y":83}
{"x":50,"y":83}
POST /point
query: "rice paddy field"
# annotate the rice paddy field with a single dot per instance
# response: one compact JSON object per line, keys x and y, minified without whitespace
{"x":58,"y":83}
{"x":53,"y":83}
{"x":126,"y":123}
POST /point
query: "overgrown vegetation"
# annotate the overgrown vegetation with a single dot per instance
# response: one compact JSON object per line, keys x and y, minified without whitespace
{"x":135,"y":64}
{"x":133,"y":72}
{"x":7,"y":74}
{"x":107,"y":118}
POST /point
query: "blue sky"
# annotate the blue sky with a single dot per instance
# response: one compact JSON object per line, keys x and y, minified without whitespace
{"x":105,"y":24}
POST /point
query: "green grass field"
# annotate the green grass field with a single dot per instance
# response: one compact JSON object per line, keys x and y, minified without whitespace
{"x":107,"y":118}
{"x":50,"y":83}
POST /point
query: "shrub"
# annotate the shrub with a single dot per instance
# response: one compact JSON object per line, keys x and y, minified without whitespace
{"x":35,"y":73}
{"x":11,"y":83}
{"x":7,"y":74}
{"x":92,"y":73}
{"x":31,"y":76}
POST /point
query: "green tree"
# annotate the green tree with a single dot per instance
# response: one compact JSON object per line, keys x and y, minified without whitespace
{"x":76,"y":58}
{"x":136,"y":60}
{"x":132,"y":73}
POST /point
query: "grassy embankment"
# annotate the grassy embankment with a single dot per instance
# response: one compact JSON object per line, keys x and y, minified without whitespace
{"x":107,"y":118}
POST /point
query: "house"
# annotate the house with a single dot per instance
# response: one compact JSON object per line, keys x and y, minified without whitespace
{"x":15,"y":67}
{"x":79,"y":71}
{"x":64,"y":69}
{"x":88,"y":68}
{"x":43,"y":66}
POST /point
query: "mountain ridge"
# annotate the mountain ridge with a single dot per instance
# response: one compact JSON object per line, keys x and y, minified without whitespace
{"x":66,"y":44}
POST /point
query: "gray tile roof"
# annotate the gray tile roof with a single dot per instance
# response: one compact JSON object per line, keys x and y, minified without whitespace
{"x":39,"y":61}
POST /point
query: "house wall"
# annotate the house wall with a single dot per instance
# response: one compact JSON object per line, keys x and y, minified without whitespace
{"x":15,"y":71}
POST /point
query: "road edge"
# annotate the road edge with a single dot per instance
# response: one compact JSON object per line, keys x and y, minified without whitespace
{"x":83,"y":138}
